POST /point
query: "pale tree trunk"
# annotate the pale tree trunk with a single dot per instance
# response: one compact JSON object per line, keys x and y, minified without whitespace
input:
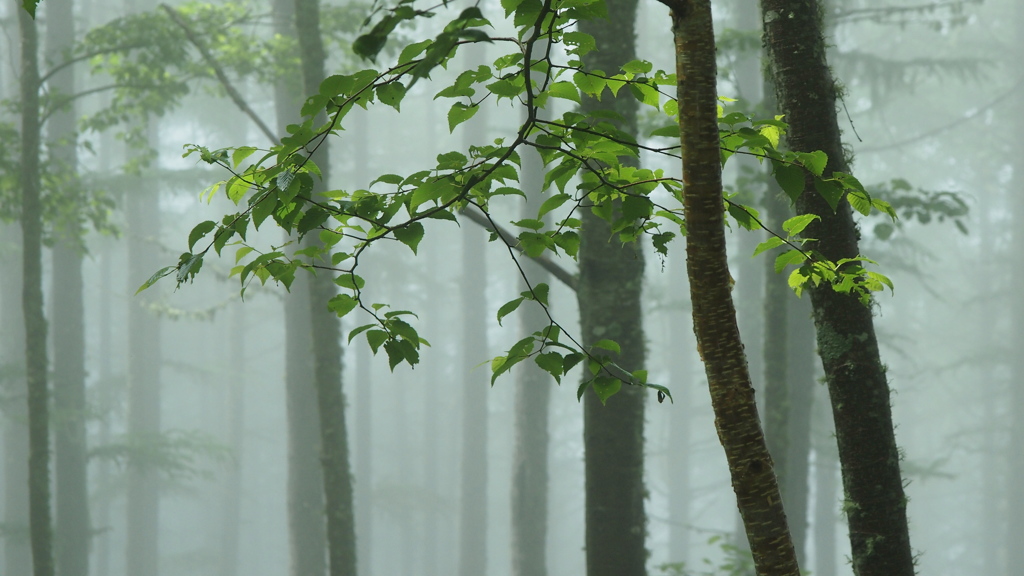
{"x":73,"y":529}
{"x":36,"y":367}
{"x":609,"y":296}
{"x":714,"y":315}
{"x":800,"y":369}
{"x":680,"y":494}
{"x":859,"y":389}
{"x":327,"y":351}
{"x":826,"y":501}
{"x":232,"y":512}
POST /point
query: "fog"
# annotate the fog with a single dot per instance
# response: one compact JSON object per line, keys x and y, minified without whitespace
{"x":930,"y":97}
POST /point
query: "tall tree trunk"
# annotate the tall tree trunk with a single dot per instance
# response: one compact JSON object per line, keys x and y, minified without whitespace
{"x":800,"y":370}
{"x":144,"y":396}
{"x":680,"y":493}
{"x":532,"y":400}
{"x":306,"y":528}
{"x":776,"y":346}
{"x":826,"y":497}
{"x":104,"y":398}
{"x":714,"y":315}
{"x":231,"y":514}
{"x":17,"y":553}
{"x":40,"y":527}
{"x":845,"y":329}
{"x":364,"y":460}
{"x":1015,"y":500}
{"x":73,"y":529}
{"x":473,"y":488}
{"x":327,"y":352}
{"x":609,"y":293}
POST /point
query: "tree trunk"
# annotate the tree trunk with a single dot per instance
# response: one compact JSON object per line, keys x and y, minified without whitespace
{"x":532,"y":400}
{"x":144,"y":361}
{"x":40,"y":527}
{"x":680,"y":494}
{"x":232,"y":512}
{"x":825,"y":493}
{"x":714,"y":315}
{"x":609,"y":294}
{"x":73,"y":529}
{"x":17,"y":553}
{"x":876,"y":504}
{"x":473,"y":488}
{"x":800,"y":370}
{"x":327,"y":352}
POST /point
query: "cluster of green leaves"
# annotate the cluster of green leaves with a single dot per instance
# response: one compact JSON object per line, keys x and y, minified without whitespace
{"x":591,"y":163}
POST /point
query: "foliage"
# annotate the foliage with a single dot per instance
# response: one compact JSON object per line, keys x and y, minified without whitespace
{"x":178,"y":454}
{"x":736,"y":562}
{"x":587,"y":157}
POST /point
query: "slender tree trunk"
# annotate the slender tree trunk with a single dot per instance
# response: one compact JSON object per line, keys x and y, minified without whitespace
{"x":800,"y":370}
{"x":1015,"y":500}
{"x":306,"y":528}
{"x":364,"y":460}
{"x":473,"y":493}
{"x":609,"y":295}
{"x":144,"y":397}
{"x":845,"y":329}
{"x":532,"y":400}
{"x":40,"y":527}
{"x":714,"y":315}
{"x":776,"y":346}
{"x":826,"y":497}
{"x":327,"y":352}
{"x":17,"y":553}
{"x":105,"y":393}
{"x":680,"y":492}
{"x":231,"y":515}
{"x":73,"y":529}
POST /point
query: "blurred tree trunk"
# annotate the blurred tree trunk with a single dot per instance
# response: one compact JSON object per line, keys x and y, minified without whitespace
{"x":144,"y":396}
{"x":231,"y":514}
{"x":306,"y":529}
{"x":473,"y":492}
{"x":845,"y":329}
{"x":327,"y":352}
{"x":714,"y":315}
{"x":680,"y":493}
{"x":800,"y":371}
{"x":532,"y":401}
{"x":36,"y":367}
{"x":107,"y":401}
{"x":609,"y":293}
{"x":73,"y":529}
{"x":1015,"y":499}
{"x":17,"y":553}
{"x":826,"y":494}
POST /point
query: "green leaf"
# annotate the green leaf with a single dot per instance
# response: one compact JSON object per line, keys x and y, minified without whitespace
{"x":264,"y":207}
{"x":773,"y":242}
{"x":342,"y":304}
{"x":508,"y":307}
{"x":796,"y":224}
{"x":565,"y":90}
{"x":165,"y":271}
{"x":787,"y":258}
{"x":790,"y":178}
{"x":830,"y":190}
{"x":609,"y":345}
{"x":539,"y":294}
{"x":552,"y":203}
{"x":413,"y":50}
{"x":550,"y":362}
{"x":668,"y":131}
{"x":357,"y":331}
{"x":201,"y":230}
{"x":605,"y":387}
{"x":814,"y":161}
{"x":240,"y":154}
{"x":375,"y":338}
{"x":410,"y":235}
{"x":589,"y":84}
{"x":391,"y":94}
{"x":459,"y":113}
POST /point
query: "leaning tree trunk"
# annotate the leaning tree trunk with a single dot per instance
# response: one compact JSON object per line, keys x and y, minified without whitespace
{"x":876,"y":504}
{"x":73,"y":531}
{"x":714,"y":315}
{"x":337,"y":477}
{"x":40,"y":528}
{"x":609,"y":295}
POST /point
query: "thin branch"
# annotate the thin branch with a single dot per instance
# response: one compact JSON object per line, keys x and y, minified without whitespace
{"x":221,"y":76}
{"x":567,"y":278}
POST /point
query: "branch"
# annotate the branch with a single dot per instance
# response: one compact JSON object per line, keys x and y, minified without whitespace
{"x":567,"y":278}
{"x":219,"y":71}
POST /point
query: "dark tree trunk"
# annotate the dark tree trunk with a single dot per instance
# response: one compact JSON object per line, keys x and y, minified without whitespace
{"x":473,"y":485}
{"x":40,"y":527}
{"x":306,"y":529}
{"x":714,"y":315}
{"x":609,"y":294}
{"x":532,"y":400}
{"x":73,"y":530}
{"x":327,"y":352}
{"x":856,"y":378}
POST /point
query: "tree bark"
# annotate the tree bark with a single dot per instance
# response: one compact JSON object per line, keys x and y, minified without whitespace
{"x":876,"y":503}
{"x":327,"y":352}
{"x":532,"y":401}
{"x":800,"y":370}
{"x":609,"y":294}
{"x":714,"y":315}
{"x":73,"y":529}
{"x":36,"y":367}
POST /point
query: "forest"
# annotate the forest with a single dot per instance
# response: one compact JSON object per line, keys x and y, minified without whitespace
{"x":515,"y":287}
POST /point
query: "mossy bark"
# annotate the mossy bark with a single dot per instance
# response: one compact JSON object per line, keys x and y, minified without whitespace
{"x":876,"y":504}
{"x":714,"y":314}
